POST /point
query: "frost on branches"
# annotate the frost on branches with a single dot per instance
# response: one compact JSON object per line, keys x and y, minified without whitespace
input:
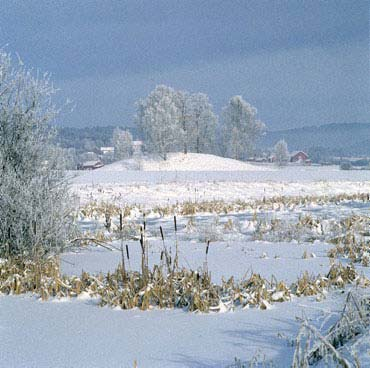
{"x":122,"y":142}
{"x":241,"y":128}
{"x":35,"y":206}
{"x":203,"y":124}
{"x":173,"y":121}
{"x":281,"y":153}
{"x":157,"y":118}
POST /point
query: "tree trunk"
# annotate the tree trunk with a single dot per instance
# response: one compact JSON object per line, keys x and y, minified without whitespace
{"x":185,"y":135}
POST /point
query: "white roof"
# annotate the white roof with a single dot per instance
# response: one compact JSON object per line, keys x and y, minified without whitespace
{"x":296,"y":153}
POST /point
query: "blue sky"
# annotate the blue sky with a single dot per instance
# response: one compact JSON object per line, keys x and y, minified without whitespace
{"x":300,"y":62}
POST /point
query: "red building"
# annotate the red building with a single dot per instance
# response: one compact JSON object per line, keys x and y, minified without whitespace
{"x":299,"y":156}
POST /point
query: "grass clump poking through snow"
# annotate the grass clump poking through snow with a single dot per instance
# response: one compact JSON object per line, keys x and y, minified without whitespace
{"x":163,"y":288}
{"x":186,"y":208}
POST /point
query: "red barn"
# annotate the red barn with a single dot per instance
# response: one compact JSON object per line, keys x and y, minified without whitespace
{"x":299,"y":156}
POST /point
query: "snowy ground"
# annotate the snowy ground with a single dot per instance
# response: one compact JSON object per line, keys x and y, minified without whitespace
{"x":78,"y":333}
{"x":176,"y":191}
{"x":114,"y":183}
{"x":181,"y":162}
{"x":225,"y":259}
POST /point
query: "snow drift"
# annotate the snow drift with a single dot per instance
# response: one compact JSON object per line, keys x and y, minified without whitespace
{"x":184,"y":162}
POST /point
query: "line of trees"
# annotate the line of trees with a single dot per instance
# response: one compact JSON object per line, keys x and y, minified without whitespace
{"x":173,"y":121}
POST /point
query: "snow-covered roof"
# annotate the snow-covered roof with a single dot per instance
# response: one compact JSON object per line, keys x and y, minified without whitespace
{"x":296,"y":153}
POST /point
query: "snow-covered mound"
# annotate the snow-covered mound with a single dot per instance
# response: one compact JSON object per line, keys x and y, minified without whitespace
{"x":183,"y":162}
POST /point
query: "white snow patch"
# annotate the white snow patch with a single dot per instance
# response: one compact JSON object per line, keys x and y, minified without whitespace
{"x":186,"y":162}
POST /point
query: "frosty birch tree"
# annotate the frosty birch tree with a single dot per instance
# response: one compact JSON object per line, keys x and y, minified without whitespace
{"x":158,"y":119}
{"x":241,"y":128}
{"x":203,"y":124}
{"x":35,"y":205}
{"x":281,"y":153}
{"x":197,"y":122}
{"x":184,"y":118}
{"x":122,"y":142}
{"x":176,"y":120}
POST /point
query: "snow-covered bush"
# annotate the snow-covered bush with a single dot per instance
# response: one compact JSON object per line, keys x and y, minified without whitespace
{"x":35,"y":205}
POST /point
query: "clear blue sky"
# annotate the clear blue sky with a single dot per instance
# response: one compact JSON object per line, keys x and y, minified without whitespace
{"x":300,"y":62}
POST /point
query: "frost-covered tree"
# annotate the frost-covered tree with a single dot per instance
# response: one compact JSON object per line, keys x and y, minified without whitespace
{"x":197,"y":122}
{"x":68,"y":157}
{"x":122,"y":142}
{"x":241,"y":128}
{"x":202,"y":125}
{"x":183,"y":104}
{"x":35,"y":205}
{"x":176,"y":121}
{"x":281,"y":153}
{"x":158,"y":120}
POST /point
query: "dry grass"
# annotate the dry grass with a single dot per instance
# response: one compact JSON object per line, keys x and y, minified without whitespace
{"x":312,"y":346}
{"x":178,"y":288}
{"x":168,"y":286}
{"x":188,"y":208}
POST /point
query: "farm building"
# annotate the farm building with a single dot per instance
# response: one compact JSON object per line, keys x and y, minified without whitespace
{"x":299,"y":157}
{"x":90,"y":165}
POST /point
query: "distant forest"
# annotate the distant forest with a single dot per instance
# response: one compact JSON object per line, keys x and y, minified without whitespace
{"x":325,"y":141}
{"x":89,"y":138}
{"x":320,"y":142}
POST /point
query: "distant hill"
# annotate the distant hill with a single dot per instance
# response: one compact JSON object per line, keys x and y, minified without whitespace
{"x":184,"y":162}
{"x":351,"y":139}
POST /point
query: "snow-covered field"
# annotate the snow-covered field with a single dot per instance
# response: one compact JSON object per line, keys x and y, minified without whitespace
{"x":150,"y":188}
{"x":183,"y":162}
{"x":78,"y":333}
